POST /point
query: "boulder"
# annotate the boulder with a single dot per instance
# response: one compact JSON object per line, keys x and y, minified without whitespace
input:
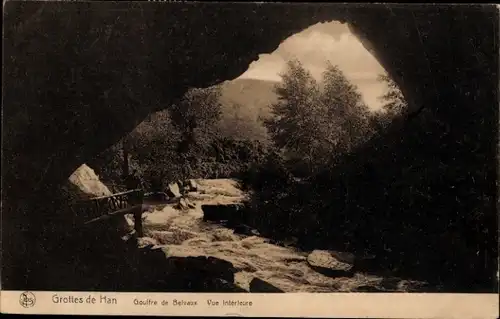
{"x":202,"y":267}
{"x":325,"y":263}
{"x":173,"y":190}
{"x":88,"y":183}
{"x":259,"y":285}
{"x":155,"y":270}
{"x":357,"y":262}
{"x":84,"y":184}
{"x":230,"y":212}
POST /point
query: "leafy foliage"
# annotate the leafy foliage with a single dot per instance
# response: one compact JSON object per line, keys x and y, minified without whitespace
{"x":185,"y":141}
{"x":196,"y":112}
{"x":315,"y":122}
{"x":401,"y":195}
{"x":395,"y":103}
{"x":344,"y":110}
{"x":292,"y":125}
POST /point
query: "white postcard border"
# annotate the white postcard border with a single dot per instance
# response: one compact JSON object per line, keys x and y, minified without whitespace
{"x":319,"y":305}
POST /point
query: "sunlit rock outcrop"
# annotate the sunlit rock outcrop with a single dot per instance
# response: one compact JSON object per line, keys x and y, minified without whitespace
{"x":88,"y":183}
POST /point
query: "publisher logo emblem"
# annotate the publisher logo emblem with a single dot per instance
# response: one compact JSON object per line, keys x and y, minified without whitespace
{"x":27,"y":299}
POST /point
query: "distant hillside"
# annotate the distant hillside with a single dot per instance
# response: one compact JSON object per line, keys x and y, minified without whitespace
{"x":254,"y":95}
{"x":244,"y":102}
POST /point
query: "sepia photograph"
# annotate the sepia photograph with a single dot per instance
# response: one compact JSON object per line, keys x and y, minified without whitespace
{"x":199,"y":147}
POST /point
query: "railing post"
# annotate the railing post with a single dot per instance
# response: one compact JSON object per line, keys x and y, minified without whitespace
{"x":138,"y":222}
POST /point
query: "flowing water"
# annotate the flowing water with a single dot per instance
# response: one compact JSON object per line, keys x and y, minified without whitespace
{"x":184,"y":233}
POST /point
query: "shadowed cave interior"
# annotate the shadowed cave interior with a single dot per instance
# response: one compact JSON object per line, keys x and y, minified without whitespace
{"x":79,"y":76}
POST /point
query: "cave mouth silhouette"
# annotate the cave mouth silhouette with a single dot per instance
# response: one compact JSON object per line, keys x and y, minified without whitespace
{"x":316,"y":47}
{"x":53,"y":84}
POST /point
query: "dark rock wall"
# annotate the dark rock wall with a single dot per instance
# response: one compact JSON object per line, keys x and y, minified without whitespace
{"x":79,"y":76}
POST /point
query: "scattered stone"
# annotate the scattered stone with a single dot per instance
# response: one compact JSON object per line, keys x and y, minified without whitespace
{"x":325,"y":263}
{"x":173,"y":190}
{"x":325,"y":259}
{"x":259,"y":285}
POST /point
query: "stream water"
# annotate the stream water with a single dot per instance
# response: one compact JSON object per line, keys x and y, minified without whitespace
{"x":184,"y":233}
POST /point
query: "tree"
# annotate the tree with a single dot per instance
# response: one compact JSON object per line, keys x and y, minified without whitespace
{"x":346,"y":116}
{"x":293,"y":124}
{"x":316,"y":122}
{"x":198,"y":110}
{"x":395,"y":103}
{"x":379,"y":120}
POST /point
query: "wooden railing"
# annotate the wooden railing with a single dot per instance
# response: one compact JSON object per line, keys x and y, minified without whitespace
{"x":99,"y":209}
